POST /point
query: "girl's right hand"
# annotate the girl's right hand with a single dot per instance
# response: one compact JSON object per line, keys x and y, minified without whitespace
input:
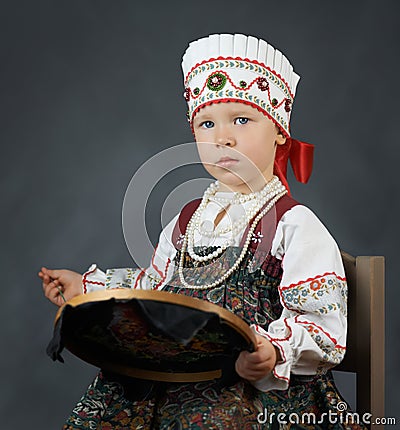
{"x":60,"y":284}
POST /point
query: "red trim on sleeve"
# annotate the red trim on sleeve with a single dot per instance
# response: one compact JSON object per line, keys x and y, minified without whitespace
{"x":264,"y":333}
{"x":279,"y":376}
{"x":142,"y":272}
{"x":313,"y":279}
{"x":281,"y":350}
{"x":332,"y":339}
{"x":164,"y":275}
{"x":276,"y":339}
{"x":86,"y":281}
{"x":154,"y":264}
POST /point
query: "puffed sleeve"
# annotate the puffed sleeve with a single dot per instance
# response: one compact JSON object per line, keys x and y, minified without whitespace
{"x":154,"y":276}
{"x":311,"y":332}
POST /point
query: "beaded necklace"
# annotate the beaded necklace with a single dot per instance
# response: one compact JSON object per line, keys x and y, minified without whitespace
{"x":259,"y":199}
{"x":273,"y":188}
{"x":273,"y":191}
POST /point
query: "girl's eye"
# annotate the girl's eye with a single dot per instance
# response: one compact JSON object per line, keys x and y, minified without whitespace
{"x":241,"y":121}
{"x":207,"y":124}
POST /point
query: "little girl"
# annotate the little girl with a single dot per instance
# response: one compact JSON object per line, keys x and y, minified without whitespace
{"x":246,"y":246}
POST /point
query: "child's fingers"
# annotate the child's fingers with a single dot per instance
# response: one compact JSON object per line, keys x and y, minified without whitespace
{"x":252,"y":374}
{"x":50,"y":288}
{"x":247,"y":371}
{"x":44,"y":276}
{"x":258,"y":357}
{"x":53,"y":273}
{"x":46,"y":280}
{"x":53,"y":294}
{"x":47,"y":288}
{"x":257,"y":363}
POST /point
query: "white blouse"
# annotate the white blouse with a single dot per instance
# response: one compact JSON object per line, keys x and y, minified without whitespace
{"x":311,"y":332}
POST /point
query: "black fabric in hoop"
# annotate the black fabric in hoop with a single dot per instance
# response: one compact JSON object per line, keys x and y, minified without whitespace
{"x":126,"y":335}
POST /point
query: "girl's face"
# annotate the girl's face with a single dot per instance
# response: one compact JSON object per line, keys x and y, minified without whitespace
{"x":236,"y":144}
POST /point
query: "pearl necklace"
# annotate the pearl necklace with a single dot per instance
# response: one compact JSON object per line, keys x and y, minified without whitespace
{"x":263,"y":196}
{"x":273,"y":188}
{"x":239,"y":198}
{"x":238,"y":260}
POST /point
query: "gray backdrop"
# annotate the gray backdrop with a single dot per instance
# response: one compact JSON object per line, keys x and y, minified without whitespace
{"x":92,"y":89}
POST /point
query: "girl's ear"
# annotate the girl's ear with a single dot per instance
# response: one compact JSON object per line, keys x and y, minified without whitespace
{"x":280,"y":138}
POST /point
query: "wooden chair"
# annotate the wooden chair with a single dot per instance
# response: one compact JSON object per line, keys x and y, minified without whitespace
{"x":365,"y":355}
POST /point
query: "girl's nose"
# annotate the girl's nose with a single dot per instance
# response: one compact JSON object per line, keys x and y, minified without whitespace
{"x":224,"y":140}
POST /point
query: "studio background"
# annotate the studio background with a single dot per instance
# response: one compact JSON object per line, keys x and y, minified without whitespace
{"x":92,"y":89}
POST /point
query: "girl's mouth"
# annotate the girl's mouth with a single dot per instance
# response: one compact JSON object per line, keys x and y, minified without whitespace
{"x":226,"y":162}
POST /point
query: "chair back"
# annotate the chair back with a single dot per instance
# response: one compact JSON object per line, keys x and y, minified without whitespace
{"x":365,"y":353}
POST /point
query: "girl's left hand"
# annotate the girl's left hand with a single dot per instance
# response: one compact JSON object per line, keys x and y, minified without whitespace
{"x":258,"y":364}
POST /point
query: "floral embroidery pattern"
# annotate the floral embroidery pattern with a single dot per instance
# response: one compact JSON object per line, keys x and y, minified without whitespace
{"x":216,"y":81}
{"x":262,"y":83}
{"x":257,"y":237}
{"x":333,"y":353}
{"x":245,"y":65}
{"x":242,"y":97}
{"x":115,"y":281}
{"x":322,"y":295}
{"x":180,"y":239}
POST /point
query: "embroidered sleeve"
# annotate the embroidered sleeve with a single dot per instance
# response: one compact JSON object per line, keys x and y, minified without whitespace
{"x":153,"y":277}
{"x":93,"y":279}
{"x":311,"y":332}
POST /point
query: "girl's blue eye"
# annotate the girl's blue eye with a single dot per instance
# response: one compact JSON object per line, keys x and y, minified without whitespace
{"x":241,"y":121}
{"x":207,"y":124}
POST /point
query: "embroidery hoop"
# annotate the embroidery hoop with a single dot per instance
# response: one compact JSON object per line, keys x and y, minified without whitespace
{"x":75,"y":317}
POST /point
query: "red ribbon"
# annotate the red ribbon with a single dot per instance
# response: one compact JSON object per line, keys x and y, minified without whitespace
{"x":300,"y":155}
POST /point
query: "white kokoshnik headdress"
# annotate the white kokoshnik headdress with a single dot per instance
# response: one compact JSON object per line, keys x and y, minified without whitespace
{"x":224,"y":67}
{"x":234,"y":67}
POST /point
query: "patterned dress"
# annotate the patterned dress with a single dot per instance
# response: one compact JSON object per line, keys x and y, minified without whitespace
{"x":296,"y":395}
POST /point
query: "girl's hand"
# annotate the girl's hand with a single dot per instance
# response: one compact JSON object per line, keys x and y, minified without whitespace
{"x":60,"y":284}
{"x":258,"y":364}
